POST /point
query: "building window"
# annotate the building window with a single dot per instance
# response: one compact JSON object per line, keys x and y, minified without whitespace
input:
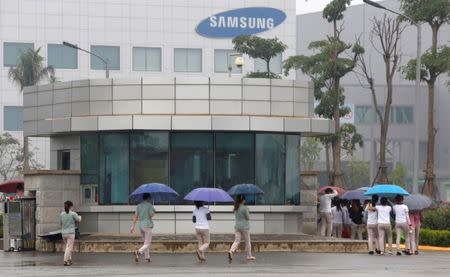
{"x":146,"y":59}
{"x":89,"y":156}
{"x":222,"y":60}
{"x":12,"y":118}
{"x":292,"y":170}
{"x":403,"y":115}
{"x":114,"y":168}
{"x":363,"y":114}
{"x":109,"y":53}
{"x":63,"y":159}
{"x":275,"y":65}
{"x":270,"y":167}
{"x":191,"y":161}
{"x":234,"y":159}
{"x":398,"y":115}
{"x":12,"y":51}
{"x":120,"y":162}
{"x":149,"y":158}
{"x":61,"y":56}
{"x":187,"y":60}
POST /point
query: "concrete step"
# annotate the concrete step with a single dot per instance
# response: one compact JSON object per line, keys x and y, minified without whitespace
{"x":113,"y":243}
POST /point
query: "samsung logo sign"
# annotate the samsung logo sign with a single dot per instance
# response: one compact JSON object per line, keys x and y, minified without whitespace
{"x":245,"y":21}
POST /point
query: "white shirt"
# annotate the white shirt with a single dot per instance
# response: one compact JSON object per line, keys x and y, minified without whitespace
{"x":325,"y":202}
{"x":337,"y":215}
{"x":372,"y":216}
{"x":384,"y":214}
{"x":401,"y":213}
{"x":346,"y":216}
{"x":201,"y":221}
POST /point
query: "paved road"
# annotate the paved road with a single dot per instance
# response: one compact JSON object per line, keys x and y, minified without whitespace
{"x":268,"y":264}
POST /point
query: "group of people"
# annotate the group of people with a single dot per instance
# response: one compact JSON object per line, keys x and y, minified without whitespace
{"x":338,"y":216}
{"x":143,"y":218}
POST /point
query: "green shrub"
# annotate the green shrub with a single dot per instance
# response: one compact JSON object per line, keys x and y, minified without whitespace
{"x":435,"y":237}
{"x":258,"y":74}
{"x":429,"y":237}
{"x":438,"y":219}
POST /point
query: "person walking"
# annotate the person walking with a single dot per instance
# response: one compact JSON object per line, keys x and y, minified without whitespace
{"x":402,"y":224}
{"x":356,"y":215}
{"x":337,"y":218}
{"x":200,"y":217}
{"x":384,"y":225}
{"x":372,"y":225}
{"x":242,"y":228}
{"x":326,"y":224}
{"x":144,"y":214}
{"x":415,"y":217}
{"x":68,"y":218}
{"x":347,"y":222}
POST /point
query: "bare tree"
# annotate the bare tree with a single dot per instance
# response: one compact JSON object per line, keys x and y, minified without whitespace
{"x":384,"y":37}
{"x":12,"y":157}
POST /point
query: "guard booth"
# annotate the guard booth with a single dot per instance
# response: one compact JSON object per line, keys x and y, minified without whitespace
{"x":19,"y":225}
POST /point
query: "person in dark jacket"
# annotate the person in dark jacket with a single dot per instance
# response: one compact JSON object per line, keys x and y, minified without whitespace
{"x":356,"y":214}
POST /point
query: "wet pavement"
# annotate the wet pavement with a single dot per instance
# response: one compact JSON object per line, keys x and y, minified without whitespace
{"x":267,"y":264}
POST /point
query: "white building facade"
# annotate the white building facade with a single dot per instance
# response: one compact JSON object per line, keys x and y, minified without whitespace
{"x":170,"y":112}
{"x":138,"y":38}
{"x":400,"y":148}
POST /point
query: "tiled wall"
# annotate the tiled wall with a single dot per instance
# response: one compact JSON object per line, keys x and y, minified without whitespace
{"x":196,"y":103}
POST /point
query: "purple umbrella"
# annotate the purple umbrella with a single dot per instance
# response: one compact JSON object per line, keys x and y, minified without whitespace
{"x":208,"y":195}
{"x":356,"y":194}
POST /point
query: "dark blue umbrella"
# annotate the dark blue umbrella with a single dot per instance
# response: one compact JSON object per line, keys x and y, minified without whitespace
{"x":244,"y":189}
{"x":208,"y":195}
{"x":386,"y":190}
{"x":159,"y":192}
{"x":356,"y":194}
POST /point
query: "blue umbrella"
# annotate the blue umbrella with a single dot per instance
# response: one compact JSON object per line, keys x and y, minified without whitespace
{"x":208,"y":195}
{"x":245,"y":189}
{"x":356,"y":194}
{"x":159,"y":192}
{"x":386,"y":190}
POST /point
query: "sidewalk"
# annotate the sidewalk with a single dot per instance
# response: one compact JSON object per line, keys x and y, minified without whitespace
{"x":187,"y":243}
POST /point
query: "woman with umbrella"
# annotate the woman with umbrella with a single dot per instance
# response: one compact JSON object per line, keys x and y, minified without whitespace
{"x":416,"y":203}
{"x":242,"y":228}
{"x":200,"y":217}
{"x":144,"y":214}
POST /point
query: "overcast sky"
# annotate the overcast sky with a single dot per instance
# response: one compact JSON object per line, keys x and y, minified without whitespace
{"x":308,"y":6}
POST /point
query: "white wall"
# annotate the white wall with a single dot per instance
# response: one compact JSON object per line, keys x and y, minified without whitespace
{"x":126,"y":23}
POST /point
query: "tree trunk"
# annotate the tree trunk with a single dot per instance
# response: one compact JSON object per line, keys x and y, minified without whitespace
{"x":268,"y":69}
{"x":382,"y":176}
{"x":429,"y":186}
{"x":327,"y":161}
{"x":337,"y":174}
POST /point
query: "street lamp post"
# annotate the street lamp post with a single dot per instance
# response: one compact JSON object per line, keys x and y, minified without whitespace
{"x":417,"y":91}
{"x":93,"y":54}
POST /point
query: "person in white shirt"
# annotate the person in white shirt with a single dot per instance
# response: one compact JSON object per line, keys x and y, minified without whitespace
{"x":200,"y":217}
{"x":402,"y":224}
{"x":372,"y":225}
{"x":384,"y":224}
{"x":338,"y":220}
{"x":326,"y":224}
{"x":346,"y":218}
